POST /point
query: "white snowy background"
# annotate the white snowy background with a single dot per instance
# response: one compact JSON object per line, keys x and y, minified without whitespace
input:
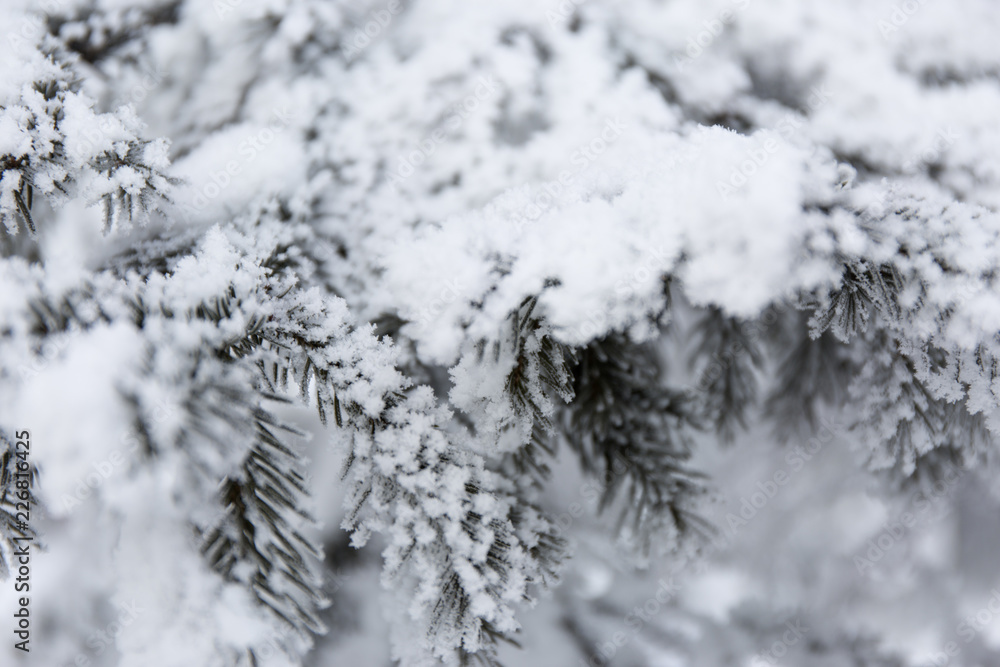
{"x":595,"y":142}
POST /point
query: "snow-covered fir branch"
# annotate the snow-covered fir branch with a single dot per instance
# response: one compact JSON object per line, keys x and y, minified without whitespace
{"x":361,"y":332}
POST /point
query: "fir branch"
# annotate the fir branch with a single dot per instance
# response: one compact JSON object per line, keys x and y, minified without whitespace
{"x":542,"y":367}
{"x":119,"y":169}
{"x":10,"y":527}
{"x":912,"y":431}
{"x":259,"y":530}
{"x":866,"y":289}
{"x":729,"y":357}
{"x":98,"y":33}
{"x":635,"y":436}
{"x":257,"y":536}
{"x":814,"y":371}
{"x":404,"y":470}
{"x":530,"y":461}
{"x":536,"y":370}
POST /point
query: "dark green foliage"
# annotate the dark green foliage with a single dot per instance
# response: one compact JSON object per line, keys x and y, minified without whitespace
{"x":126,"y":177}
{"x":24,"y":195}
{"x":824,"y":644}
{"x":257,"y":530}
{"x":634,"y":435}
{"x":295,"y":346}
{"x":291,"y":358}
{"x":157,"y":253}
{"x":728,"y":356}
{"x":257,"y":536}
{"x":866,"y":290}
{"x":9,"y":525}
{"x":811,"y":372}
{"x":51,"y":316}
{"x":542,"y":370}
{"x":97,"y":33}
{"x":530,"y":461}
{"x":263,"y":506}
{"x":539,"y":361}
{"x":938,"y":465}
{"x":914,"y":434}
{"x":17,"y":173}
{"x":487,"y":657}
{"x":956,"y":438}
{"x":122,"y":206}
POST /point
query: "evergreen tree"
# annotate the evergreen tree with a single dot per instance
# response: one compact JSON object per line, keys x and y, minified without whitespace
{"x":513,"y":273}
